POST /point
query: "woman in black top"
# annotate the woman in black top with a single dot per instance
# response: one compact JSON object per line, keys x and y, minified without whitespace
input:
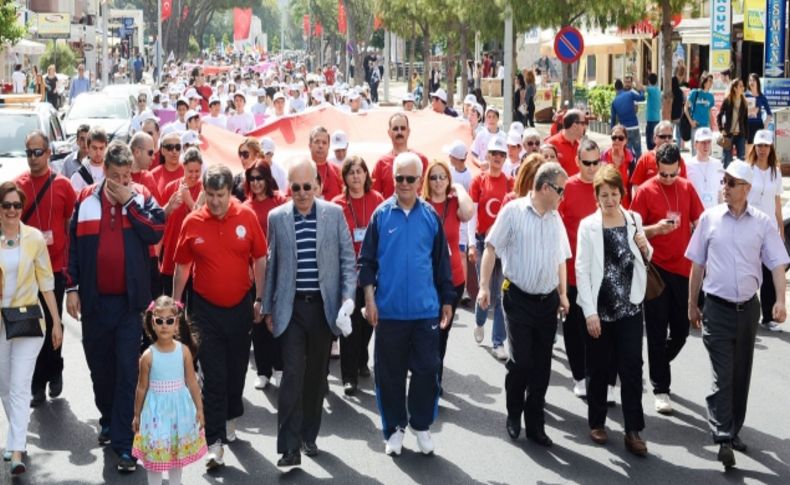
{"x":51,"y":83}
{"x":732,"y":121}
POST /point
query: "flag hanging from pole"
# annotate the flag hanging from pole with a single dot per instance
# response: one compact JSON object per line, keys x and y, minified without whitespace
{"x":242,"y":18}
{"x":319,"y":29}
{"x":306,"y":25}
{"x":377,"y":23}
{"x":341,"y":17}
{"x":167,"y":9}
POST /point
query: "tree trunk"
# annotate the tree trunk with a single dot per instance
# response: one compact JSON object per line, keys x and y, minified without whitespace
{"x":666,"y":55}
{"x":412,"y":48}
{"x":426,"y":62}
{"x":450,"y":70}
{"x":462,"y":52}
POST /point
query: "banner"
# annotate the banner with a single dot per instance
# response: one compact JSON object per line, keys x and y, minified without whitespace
{"x":754,"y":20}
{"x":720,"y":35}
{"x":167,"y":9}
{"x":242,"y":17}
{"x":341,"y":17}
{"x":306,"y":26}
{"x":319,"y":29}
{"x":775,"y":16}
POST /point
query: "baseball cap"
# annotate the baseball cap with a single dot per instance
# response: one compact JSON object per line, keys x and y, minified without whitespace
{"x":190,"y":137}
{"x":703,"y":134}
{"x":479,"y":108}
{"x":191,"y":114}
{"x":517,"y":127}
{"x":214,"y":99}
{"x":491,"y":108}
{"x":470,"y":99}
{"x":763,"y":137}
{"x":278,"y":95}
{"x":740,"y":170}
{"x":182,"y":100}
{"x":148,"y":115}
{"x":353,"y":95}
{"x":497,"y":144}
{"x":441,"y":94}
{"x":239,"y":93}
{"x":192,"y":94}
{"x":456,"y":149}
{"x":267,"y":145}
{"x":339,"y":141}
{"x":408,"y":97}
{"x":317,"y":94}
{"x":513,"y":138}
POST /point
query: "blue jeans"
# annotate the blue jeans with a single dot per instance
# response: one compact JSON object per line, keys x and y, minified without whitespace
{"x":634,"y":142}
{"x":498,"y":334}
{"x":739,"y":143}
{"x":649,"y":142}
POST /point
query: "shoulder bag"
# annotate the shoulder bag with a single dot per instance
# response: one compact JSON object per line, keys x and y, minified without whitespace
{"x":22,"y":321}
{"x":655,"y":284}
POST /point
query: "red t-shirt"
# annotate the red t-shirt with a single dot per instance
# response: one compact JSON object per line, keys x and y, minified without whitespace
{"x":205,"y":92}
{"x":173,"y":226}
{"x":647,"y":167}
{"x":358,"y":213}
{"x":221,"y":250}
{"x":145,"y":179}
{"x":452,"y":231}
{"x":263,"y":207}
{"x":52,"y":213}
{"x":578,"y":202}
{"x":382,"y":174}
{"x":628,"y":157}
{"x":653,"y":201}
{"x":489,"y":193}
{"x":566,"y":152}
{"x":331,"y":181}
{"x":110,"y":267}
{"x":162,"y":176}
{"x":329,"y":76}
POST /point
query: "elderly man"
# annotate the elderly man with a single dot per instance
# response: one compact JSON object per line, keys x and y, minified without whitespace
{"x":529,"y":238}
{"x":302,"y":304}
{"x":80,"y":84}
{"x":171,"y":168}
{"x":219,"y":245}
{"x":399,"y":132}
{"x":729,"y":270}
{"x":108,"y":284}
{"x":574,"y":126}
{"x":646,"y":165}
{"x":405,"y":273}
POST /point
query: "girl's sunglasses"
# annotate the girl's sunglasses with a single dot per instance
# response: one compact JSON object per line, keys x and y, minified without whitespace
{"x":165,"y":321}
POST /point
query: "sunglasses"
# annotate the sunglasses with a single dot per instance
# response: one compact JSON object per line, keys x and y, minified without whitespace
{"x":164,"y":321}
{"x":668,"y":175}
{"x":664,"y":137}
{"x":150,"y":153}
{"x":410,"y":179}
{"x":245,"y":155}
{"x":732,"y":183}
{"x":295,"y":188}
{"x":12,"y":205}
{"x":618,"y":138}
{"x":35,"y":152}
{"x":590,"y":163}
{"x":559,"y":190}
{"x":434,"y":178}
{"x":256,"y":178}
{"x":169,"y":147}
{"x":532,"y":143}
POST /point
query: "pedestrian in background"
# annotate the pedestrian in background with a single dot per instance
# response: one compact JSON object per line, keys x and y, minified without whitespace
{"x":698,"y":107}
{"x":731,"y":120}
{"x":653,"y":111}
{"x":759,"y":113}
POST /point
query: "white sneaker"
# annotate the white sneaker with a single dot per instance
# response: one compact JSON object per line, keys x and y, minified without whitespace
{"x":500,"y":352}
{"x":335,"y":353}
{"x":394,"y":444}
{"x":580,"y":388}
{"x":261,"y":382}
{"x":214,"y":456}
{"x":424,"y":441}
{"x":610,"y":396}
{"x":480,"y":333}
{"x":277,"y":378}
{"x":230,"y":430}
{"x":663,"y":404}
{"x":772,"y":326}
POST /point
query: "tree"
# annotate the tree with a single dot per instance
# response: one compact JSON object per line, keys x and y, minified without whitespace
{"x":60,"y":54}
{"x":212,"y":43}
{"x":667,"y":9}
{"x":10,"y":29}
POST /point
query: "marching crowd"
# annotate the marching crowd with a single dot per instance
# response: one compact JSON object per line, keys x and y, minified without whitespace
{"x":329,"y":247}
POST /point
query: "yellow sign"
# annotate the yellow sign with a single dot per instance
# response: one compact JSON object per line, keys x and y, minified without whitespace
{"x":754,"y":20}
{"x":720,"y":61}
{"x":53,"y":25}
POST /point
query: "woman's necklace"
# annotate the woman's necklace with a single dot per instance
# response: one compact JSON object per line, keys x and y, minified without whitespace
{"x":4,"y":241}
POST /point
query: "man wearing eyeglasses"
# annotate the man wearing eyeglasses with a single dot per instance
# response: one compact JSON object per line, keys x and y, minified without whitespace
{"x":729,"y":271}
{"x":49,"y":204}
{"x":670,"y":208}
{"x":405,"y":274}
{"x":171,"y":169}
{"x":399,"y":132}
{"x":307,"y":300}
{"x":529,"y":238}
{"x":574,"y":127}
{"x":646,"y":166}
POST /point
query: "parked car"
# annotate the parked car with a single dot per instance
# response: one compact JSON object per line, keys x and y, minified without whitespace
{"x":130,"y":90}
{"x":113,"y":113}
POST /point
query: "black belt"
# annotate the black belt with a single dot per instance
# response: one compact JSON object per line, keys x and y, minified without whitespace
{"x":738,"y":307}
{"x":528,"y":296}
{"x":307,"y":296}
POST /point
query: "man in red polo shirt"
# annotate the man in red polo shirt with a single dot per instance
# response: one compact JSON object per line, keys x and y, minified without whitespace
{"x":331,"y":181}
{"x":171,"y":169}
{"x":382,"y":173}
{"x":574,"y":125}
{"x":49,"y":204}
{"x":646,"y":167}
{"x":218,"y":243}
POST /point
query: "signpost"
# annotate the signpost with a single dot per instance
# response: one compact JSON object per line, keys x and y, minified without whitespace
{"x":569,"y":44}
{"x":53,"y":25}
{"x":720,"y":35}
{"x":777,"y":91}
{"x":775,"y":16}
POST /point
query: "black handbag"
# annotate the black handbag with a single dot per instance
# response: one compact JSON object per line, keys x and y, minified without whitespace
{"x":23,"y":321}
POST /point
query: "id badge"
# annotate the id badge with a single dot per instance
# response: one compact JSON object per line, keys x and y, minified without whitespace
{"x":359,"y":234}
{"x":49,"y":238}
{"x":707,"y":198}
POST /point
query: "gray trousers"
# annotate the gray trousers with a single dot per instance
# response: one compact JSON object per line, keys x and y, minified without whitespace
{"x":729,"y":336}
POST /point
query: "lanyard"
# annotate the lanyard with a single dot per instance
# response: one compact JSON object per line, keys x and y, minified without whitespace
{"x":353,"y":214}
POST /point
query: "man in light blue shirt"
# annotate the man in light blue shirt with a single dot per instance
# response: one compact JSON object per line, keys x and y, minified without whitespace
{"x":624,"y":112}
{"x":80,"y":84}
{"x":653,"y":114}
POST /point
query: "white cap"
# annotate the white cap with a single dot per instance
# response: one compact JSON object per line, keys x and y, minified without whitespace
{"x":408,"y":97}
{"x":191,"y":114}
{"x":491,"y":108}
{"x":441,"y":94}
{"x":157,"y":92}
{"x":763,"y":137}
{"x":192,"y":94}
{"x":353,"y":95}
{"x":240,"y":93}
{"x":260,"y":92}
{"x":267,"y":145}
{"x":278,"y":95}
{"x":317,"y":94}
{"x":339,"y":141}
{"x":148,"y":115}
{"x":456,"y":149}
{"x":703,"y":134}
{"x":517,"y":126}
{"x":294,"y":87}
{"x":479,"y":108}
{"x":497,"y":144}
{"x":530,"y":133}
{"x":214,"y":99}
{"x":470,"y":99}
{"x":190,"y":137}
{"x":740,"y":170}
{"x":513,"y":138}
{"x":182,"y":100}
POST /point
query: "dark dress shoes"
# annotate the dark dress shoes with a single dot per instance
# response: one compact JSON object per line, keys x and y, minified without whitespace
{"x":290,"y":459}
{"x":513,"y":428}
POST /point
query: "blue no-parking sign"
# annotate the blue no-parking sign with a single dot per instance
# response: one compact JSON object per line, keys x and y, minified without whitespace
{"x":569,"y":44}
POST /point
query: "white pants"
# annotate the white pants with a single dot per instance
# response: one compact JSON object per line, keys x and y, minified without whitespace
{"x":17,"y":363}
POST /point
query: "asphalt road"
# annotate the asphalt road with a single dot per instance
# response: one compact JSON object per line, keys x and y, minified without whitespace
{"x":471,"y":443}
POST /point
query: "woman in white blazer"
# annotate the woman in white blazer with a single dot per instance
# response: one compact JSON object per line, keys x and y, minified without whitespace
{"x":611,"y":281}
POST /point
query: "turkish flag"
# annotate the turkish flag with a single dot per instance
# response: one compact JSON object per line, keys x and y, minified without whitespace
{"x":306,"y":25}
{"x":341,"y":17}
{"x":167,"y":9}
{"x":319,"y":29}
{"x":377,"y":23}
{"x":242,"y":17}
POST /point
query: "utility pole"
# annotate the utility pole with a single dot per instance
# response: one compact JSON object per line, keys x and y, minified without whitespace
{"x":387,"y":43}
{"x":159,"y":42}
{"x":105,"y":14}
{"x":507,"y":116}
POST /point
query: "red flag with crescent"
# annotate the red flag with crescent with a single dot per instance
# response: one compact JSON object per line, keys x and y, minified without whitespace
{"x":341,"y":17}
{"x":242,"y":18}
{"x":167,"y":9}
{"x":306,"y":25}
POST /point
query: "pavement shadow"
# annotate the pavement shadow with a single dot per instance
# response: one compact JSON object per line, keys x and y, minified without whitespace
{"x":55,"y":427}
{"x":431,"y":468}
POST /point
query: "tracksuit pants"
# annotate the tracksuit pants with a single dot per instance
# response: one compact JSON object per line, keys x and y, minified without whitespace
{"x":49,"y":364}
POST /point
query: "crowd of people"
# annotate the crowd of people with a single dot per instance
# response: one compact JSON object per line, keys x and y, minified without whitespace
{"x":293,"y":257}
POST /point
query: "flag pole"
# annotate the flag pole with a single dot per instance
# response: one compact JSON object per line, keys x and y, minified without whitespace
{"x":159,"y":42}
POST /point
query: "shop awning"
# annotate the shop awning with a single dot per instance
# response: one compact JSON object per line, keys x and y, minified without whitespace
{"x":28,"y":48}
{"x":594,"y":43}
{"x":697,"y":31}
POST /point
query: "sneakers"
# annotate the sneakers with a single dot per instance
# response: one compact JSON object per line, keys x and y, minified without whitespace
{"x":214,"y":456}
{"x":610,"y":395}
{"x":580,"y":388}
{"x":480,"y":334}
{"x":424,"y":441}
{"x":500,"y":353}
{"x":104,"y":435}
{"x":230,"y":430}
{"x":663,"y":404}
{"x":335,"y":353}
{"x":771,"y":326}
{"x":394,"y":444}
{"x":277,"y":378}
{"x":127,"y":464}
{"x":261,"y":382}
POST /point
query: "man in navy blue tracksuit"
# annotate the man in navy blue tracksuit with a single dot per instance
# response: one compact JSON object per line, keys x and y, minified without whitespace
{"x":405,"y":257}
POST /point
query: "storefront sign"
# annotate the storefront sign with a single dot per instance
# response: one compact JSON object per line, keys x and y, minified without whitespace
{"x":777,"y":91}
{"x":754,"y":20}
{"x":775,"y":38}
{"x":53,"y":25}
{"x":720,"y":34}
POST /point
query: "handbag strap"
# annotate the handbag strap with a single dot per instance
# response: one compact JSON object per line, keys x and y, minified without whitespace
{"x":29,"y":212}
{"x":638,"y":230}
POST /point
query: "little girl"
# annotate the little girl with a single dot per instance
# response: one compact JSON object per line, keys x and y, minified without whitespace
{"x":168,"y":420}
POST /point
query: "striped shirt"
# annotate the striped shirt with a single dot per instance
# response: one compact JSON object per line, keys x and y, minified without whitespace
{"x":306,"y":254}
{"x":530,"y":246}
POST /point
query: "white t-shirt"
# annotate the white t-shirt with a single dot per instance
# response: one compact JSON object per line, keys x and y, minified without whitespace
{"x":706,"y":179}
{"x":765,"y":188}
{"x":220,"y":121}
{"x":241,"y":123}
{"x":259,"y":108}
{"x":465,"y":179}
{"x":480,"y":145}
{"x":174,"y":127}
{"x":510,"y":167}
{"x":18,"y":78}
{"x":280,"y":176}
{"x":79,"y":183}
{"x":296,"y":105}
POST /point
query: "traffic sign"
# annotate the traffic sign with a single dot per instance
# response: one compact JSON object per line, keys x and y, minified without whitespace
{"x":569,"y":44}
